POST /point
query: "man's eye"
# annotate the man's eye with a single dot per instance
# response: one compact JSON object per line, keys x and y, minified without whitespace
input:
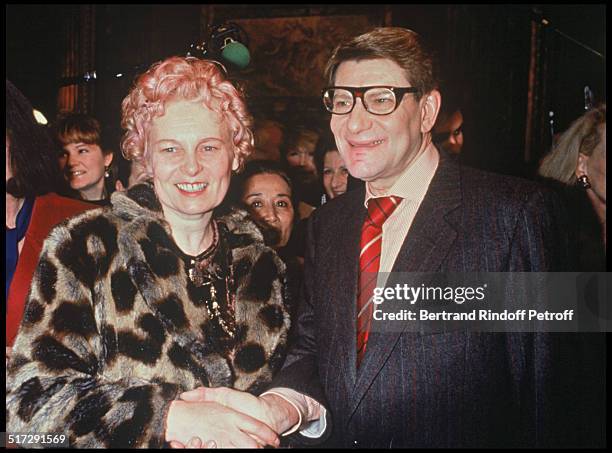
{"x":210,"y":148}
{"x":170,"y":149}
{"x":342,"y":101}
{"x":457,"y":132}
{"x":83,"y":150}
{"x":344,"y":171}
{"x":383,"y":100}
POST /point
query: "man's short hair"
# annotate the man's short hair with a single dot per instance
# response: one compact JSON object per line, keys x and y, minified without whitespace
{"x":400,"y":45}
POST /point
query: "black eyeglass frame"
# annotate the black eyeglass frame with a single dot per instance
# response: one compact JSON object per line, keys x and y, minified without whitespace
{"x":359,"y":93}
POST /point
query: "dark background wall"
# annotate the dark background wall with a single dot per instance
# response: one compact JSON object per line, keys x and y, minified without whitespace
{"x":486,"y":53}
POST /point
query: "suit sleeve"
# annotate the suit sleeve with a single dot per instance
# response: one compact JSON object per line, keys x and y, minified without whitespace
{"x":56,"y":380}
{"x":300,"y":371}
{"x":550,"y":383}
{"x":539,"y":240}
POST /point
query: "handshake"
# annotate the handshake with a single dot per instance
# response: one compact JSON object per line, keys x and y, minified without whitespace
{"x":227,"y":418}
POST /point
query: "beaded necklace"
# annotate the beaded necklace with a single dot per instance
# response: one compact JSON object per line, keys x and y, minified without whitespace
{"x":206,"y":274}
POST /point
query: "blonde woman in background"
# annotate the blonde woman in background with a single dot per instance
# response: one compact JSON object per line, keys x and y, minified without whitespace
{"x":578,"y":161}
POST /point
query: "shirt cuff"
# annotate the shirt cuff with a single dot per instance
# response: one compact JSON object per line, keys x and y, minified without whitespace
{"x":310,"y":412}
{"x":315,"y":428}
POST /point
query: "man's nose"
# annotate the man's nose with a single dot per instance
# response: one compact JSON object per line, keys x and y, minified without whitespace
{"x":359,"y":119}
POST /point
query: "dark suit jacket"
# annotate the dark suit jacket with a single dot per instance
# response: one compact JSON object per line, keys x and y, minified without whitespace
{"x":453,"y":389}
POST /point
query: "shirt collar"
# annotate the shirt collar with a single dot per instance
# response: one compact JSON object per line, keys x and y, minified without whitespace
{"x":414,"y":181}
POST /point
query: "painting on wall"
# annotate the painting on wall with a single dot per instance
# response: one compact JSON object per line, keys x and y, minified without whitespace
{"x":288,"y":55}
{"x":289,"y":47}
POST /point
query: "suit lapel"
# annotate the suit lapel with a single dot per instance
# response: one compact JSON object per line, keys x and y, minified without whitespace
{"x":345,"y":284}
{"x":435,"y":225}
{"x":428,"y":242}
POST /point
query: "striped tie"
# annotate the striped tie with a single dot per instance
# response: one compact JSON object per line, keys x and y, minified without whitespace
{"x":379,"y":210}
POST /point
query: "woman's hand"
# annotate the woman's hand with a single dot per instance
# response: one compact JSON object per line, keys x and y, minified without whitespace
{"x":195,"y":442}
{"x":214,"y":422}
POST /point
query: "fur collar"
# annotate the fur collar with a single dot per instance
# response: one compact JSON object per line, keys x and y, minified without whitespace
{"x":140,"y":202}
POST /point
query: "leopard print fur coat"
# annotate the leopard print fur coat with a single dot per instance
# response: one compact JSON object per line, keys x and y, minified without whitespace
{"x":112,"y":331}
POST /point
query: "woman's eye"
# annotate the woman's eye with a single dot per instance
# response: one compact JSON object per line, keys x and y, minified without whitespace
{"x":256,"y":204}
{"x":83,"y":150}
{"x":210,"y":148}
{"x":282,"y":204}
{"x":345,"y":171}
{"x":327,"y":171}
{"x":170,"y":149}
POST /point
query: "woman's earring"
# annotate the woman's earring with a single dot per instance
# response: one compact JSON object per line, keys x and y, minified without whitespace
{"x":107,"y":171}
{"x":583,"y":182}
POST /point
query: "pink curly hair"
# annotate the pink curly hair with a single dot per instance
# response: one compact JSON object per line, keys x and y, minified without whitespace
{"x":184,"y":78}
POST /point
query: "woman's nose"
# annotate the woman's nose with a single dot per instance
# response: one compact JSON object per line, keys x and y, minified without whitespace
{"x":336,"y":181}
{"x":304,"y":158}
{"x":191,"y":165}
{"x":268,"y":214}
{"x":71,"y":160}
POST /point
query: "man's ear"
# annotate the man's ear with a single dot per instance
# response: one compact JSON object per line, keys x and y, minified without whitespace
{"x":430,"y":107}
{"x":582,"y":168}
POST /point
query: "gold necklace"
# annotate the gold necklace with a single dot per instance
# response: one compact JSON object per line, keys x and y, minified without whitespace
{"x":212,"y":307}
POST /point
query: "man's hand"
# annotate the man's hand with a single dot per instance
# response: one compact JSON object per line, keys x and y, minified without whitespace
{"x":272,"y":410}
{"x":211,"y":421}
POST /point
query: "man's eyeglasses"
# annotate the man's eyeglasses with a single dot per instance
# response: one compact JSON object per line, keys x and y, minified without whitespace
{"x":378,"y":100}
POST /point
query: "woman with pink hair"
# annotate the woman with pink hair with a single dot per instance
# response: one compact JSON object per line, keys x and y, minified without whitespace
{"x":136,"y":303}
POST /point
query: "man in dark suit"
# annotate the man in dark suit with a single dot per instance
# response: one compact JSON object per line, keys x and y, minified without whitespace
{"x":347,"y":385}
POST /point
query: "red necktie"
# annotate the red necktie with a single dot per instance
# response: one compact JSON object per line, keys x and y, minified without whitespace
{"x":379,"y":210}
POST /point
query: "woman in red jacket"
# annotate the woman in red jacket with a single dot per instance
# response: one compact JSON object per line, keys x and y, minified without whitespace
{"x":32,"y":207}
